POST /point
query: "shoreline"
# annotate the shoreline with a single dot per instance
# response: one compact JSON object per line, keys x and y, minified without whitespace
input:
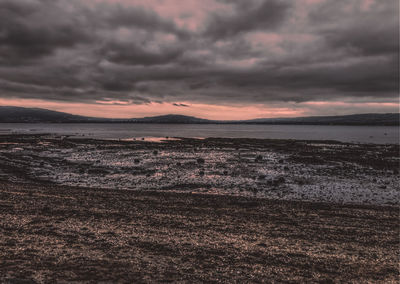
{"x":352,"y":134}
{"x":316,"y":171}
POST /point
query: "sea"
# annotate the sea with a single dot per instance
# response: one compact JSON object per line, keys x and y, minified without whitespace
{"x":353,"y":134}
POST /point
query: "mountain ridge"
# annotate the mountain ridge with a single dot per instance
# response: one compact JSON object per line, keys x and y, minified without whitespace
{"x":10,"y":114}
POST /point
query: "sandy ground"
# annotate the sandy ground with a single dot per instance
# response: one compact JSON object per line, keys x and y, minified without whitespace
{"x":60,"y":234}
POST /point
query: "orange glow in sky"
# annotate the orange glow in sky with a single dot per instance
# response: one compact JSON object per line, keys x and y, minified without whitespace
{"x":208,"y":111}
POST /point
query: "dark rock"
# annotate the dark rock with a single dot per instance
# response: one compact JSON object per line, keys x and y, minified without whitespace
{"x":281,"y":180}
{"x":97,"y":171}
{"x":200,"y":161}
{"x":276,"y":181}
{"x":46,"y":209}
{"x":18,"y":281}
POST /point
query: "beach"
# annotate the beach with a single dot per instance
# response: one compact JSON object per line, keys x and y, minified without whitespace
{"x":302,"y":170}
{"x":63,"y":234}
{"x":197,"y":210}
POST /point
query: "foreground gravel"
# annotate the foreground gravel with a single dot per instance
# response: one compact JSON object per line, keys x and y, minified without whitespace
{"x":51,"y":233}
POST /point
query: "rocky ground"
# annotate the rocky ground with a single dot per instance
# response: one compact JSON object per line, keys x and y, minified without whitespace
{"x":58,"y":234}
{"x":191,"y":210}
{"x":321,"y":171}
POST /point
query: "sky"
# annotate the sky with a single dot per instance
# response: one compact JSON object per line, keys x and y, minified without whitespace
{"x":216,"y":59}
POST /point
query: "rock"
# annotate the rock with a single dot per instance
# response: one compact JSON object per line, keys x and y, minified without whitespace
{"x":281,"y":180}
{"x":259,"y":158}
{"x":276,"y":181}
{"x":155,"y":152}
{"x":200,"y":161}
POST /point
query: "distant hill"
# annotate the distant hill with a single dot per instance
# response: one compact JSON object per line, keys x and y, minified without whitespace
{"x":34,"y":115}
{"x":353,"y":119}
{"x":12,"y":114}
{"x":171,"y":118}
{"x":20,"y":114}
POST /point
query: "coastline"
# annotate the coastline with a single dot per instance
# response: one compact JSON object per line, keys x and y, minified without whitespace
{"x":304,"y":170}
{"x":197,"y":210}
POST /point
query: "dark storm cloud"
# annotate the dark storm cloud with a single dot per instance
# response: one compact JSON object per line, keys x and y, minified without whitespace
{"x":33,"y":29}
{"x":247,"y":17}
{"x":131,"y":54}
{"x":122,"y":16}
{"x":369,"y":32}
{"x":241,"y":52}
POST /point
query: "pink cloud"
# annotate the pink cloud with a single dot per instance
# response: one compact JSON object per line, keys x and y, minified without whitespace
{"x":116,"y":109}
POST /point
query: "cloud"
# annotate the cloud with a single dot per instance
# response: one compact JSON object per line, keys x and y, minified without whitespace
{"x":222,"y":52}
{"x":33,"y":29}
{"x":180,"y":105}
{"x":247,"y":16}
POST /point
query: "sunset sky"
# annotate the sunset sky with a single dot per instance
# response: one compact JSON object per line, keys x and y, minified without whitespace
{"x":217,"y":59}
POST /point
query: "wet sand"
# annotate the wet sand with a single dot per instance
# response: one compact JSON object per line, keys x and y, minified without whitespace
{"x":316,"y":171}
{"x":53,"y":233}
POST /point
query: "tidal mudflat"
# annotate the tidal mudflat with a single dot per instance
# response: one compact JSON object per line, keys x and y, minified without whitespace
{"x":320,"y":171}
{"x":197,"y":210}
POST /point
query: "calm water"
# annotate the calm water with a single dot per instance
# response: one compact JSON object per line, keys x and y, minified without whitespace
{"x":357,"y":134}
